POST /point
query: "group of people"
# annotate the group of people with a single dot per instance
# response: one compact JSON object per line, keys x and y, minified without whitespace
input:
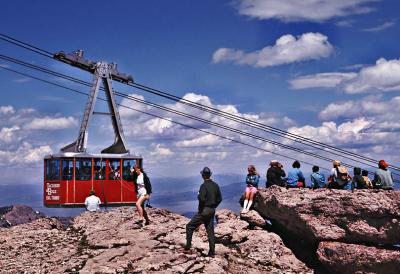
{"x":339,"y":178}
{"x":209,"y":195}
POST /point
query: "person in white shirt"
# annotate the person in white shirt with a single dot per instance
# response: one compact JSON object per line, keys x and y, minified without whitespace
{"x":92,"y":202}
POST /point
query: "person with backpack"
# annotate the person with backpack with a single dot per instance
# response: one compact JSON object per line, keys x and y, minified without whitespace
{"x":317,"y":178}
{"x":143,"y":191}
{"x":383,"y":178}
{"x":295,"y":177}
{"x":340,"y":177}
{"x":368,"y":182}
{"x":252,"y":179}
{"x":358,"y":180}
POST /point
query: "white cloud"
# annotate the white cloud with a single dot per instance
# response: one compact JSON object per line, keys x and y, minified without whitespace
{"x":7,"y":135}
{"x":386,"y":112}
{"x":206,"y":140}
{"x":299,"y":10}
{"x":51,"y":123}
{"x":381,"y":27}
{"x":160,"y":151}
{"x":321,"y":80}
{"x":25,"y":154}
{"x":287,"y":49}
{"x":384,"y":76}
{"x":7,"y":110}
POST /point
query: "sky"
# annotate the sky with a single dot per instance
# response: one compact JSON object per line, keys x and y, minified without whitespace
{"x":326,"y":70}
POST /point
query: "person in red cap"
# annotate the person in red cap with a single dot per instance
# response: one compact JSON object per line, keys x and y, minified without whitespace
{"x":209,"y":198}
{"x":383,"y":177}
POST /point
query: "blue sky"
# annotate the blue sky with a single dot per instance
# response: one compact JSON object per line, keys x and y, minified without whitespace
{"x":328,"y":70}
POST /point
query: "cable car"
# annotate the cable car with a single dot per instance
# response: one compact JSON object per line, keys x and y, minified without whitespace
{"x":71,"y":174}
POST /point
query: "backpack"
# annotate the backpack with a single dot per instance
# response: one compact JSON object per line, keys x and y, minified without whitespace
{"x":147,"y":184}
{"x":342,"y":175}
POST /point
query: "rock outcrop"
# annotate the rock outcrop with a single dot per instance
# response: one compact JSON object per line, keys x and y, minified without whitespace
{"x":18,"y":214}
{"x":112,"y":242}
{"x":350,"y":258}
{"x":343,"y":223}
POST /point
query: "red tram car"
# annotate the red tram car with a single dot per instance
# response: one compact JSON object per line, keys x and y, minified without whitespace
{"x":69,"y":177}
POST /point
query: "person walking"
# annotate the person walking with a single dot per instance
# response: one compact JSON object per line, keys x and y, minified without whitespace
{"x":141,"y":180}
{"x":209,"y":197}
{"x":92,"y":202}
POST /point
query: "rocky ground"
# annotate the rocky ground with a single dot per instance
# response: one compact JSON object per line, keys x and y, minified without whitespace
{"x":111,"y":242}
{"x":347,"y":231}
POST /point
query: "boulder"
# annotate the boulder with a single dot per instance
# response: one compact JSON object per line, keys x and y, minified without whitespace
{"x":362,"y":216}
{"x":254,"y":219}
{"x":353,"y":258}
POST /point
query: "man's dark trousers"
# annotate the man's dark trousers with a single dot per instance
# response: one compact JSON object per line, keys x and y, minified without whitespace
{"x":206,"y":217}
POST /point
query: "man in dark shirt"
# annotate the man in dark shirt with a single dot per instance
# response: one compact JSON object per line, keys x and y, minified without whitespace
{"x":209,"y":198}
{"x":275,"y":174}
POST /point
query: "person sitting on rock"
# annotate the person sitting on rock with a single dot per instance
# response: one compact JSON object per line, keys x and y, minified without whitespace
{"x":92,"y":202}
{"x":295,"y":177}
{"x":383,"y":178}
{"x":368,"y":182}
{"x":358,"y":180}
{"x":340,"y":177}
{"x":252,"y":179}
{"x":317,"y":178}
{"x":275,"y":174}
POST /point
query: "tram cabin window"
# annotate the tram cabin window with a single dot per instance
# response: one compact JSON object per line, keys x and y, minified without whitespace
{"x":67,"y":169}
{"x":83,"y":169}
{"x":52,"y":170}
{"x":114,"y":170}
{"x":127,"y":168}
{"x":99,"y":169}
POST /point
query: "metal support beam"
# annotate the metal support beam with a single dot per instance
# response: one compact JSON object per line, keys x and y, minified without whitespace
{"x":103,"y":73}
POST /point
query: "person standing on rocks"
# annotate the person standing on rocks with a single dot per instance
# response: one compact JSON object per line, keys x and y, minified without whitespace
{"x":252,"y":179}
{"x":383,"y":177}
{"x":209,"y":197}
{"x":141,"y":180}
{"x":92,"y":202}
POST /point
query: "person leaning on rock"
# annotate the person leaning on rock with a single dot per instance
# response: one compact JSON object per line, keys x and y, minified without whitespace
{"x":209,"y":198}
{"x":92,"y":202}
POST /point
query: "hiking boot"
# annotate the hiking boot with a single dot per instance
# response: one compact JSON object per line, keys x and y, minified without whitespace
{"x":187,"y":250}
{"x":147,"y":222}
{"x":211,"y":254}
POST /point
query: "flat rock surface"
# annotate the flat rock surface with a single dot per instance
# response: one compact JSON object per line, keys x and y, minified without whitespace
{"x":362,"y":216}
{"x":112,"y":242}
{"x":353,"y":258}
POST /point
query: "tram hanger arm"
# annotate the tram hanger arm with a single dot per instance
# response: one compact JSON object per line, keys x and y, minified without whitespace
{"x":76,"y":59}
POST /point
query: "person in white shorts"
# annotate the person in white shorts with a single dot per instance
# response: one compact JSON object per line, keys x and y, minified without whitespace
{"x":141,"y":194}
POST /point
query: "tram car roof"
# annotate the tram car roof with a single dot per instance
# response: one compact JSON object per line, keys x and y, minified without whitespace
{"x":92,"y":155}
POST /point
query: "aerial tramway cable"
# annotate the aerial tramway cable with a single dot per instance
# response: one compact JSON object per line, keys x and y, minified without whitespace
{"x":157,"y":116}
{"x":245,"y":121}
{"x":272,"y":130}
{"x":182,"y":114}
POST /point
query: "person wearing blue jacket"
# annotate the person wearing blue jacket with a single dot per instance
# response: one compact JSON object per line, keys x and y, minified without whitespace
{"x":295,"y":176}
{"x":317,"y":179}
{"x":252,"y":180}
